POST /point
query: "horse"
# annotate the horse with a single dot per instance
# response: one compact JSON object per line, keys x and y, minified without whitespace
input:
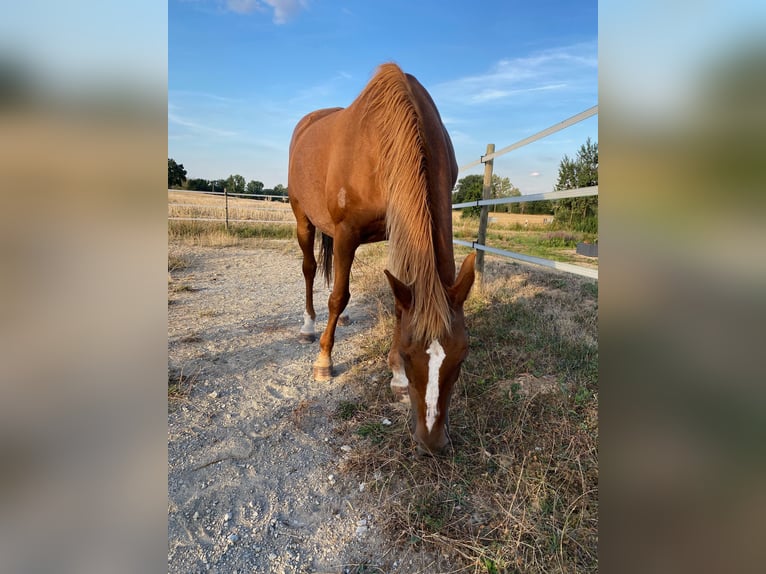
{"x":384,"y":168}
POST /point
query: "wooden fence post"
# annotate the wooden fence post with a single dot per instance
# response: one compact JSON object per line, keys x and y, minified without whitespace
{"x":226,"y":207}
{"x":486,"y":193}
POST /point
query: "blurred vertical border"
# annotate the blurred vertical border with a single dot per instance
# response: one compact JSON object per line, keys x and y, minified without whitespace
{"x":682,"y":106}
{"x":83,"y":142}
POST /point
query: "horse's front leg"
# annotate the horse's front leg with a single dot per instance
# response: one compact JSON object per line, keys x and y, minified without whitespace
{"x":399,"y":382}
{"x":305,"y":234}
{"x":343,"y":255}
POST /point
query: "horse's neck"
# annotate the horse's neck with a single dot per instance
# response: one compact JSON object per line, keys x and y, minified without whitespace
{"x":442,"y":234}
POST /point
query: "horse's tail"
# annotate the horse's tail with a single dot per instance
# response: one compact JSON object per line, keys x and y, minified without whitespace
{"x":325,"y":255}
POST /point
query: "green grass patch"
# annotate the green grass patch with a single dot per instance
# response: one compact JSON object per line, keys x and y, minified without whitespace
{"x":346,"y":410}
{"x":554,"y":245}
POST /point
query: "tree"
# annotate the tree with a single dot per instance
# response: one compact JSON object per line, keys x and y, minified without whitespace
{"x":176,"y":174}
{"x":578,"y":213}
{"x":217,"y":185}
{"x":197,"y":184}
{"x":502,"y":187}
{"x":469,"y":189}
{"x":254,"y":187}
{"x":281,"y":191}
{"x":235,"y":184}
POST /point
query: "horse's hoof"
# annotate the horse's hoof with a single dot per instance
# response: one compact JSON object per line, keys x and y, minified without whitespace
{"x":344,"y":320}
{"x":401,"y":394}
{"x":322,"y":373}
{"x":306,"y":338}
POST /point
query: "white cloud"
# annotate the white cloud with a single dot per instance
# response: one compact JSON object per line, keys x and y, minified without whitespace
{"x":243,"y":6}
{"x":284,"y":10}
{"x":547,"y":70}
{"x":174,"y":118}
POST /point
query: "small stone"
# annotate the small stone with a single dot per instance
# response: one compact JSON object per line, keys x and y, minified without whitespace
{"x":272,"y":556}
{"x":345,"y":448}
{"x":227,"y":517}
{"x":232,"y":538}
{"x":213,"y":395}
{"x":386,"y":422}
{"x":361,"y":487}
{"x":195,"y":516}
{"x":361,"y":530}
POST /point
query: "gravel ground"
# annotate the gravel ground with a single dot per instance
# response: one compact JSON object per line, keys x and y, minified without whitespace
{"x":254,"y":479}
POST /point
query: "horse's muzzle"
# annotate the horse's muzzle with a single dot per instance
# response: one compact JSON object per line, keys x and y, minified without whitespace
{"x":439,"y":445}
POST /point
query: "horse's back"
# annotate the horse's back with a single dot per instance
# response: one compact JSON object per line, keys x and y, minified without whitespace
{"x":307,"y":121}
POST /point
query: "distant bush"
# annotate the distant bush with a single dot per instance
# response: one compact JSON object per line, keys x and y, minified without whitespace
{"x":559,"y":239}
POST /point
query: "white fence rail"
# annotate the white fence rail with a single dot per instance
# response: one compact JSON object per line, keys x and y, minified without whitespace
{"x":485,"y":202}
{"x":533,"y":138}
{"x":245,"y":207}
{"x":579,"y":192}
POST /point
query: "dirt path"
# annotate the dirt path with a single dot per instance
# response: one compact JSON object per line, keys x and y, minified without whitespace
{"x":253,"y":462}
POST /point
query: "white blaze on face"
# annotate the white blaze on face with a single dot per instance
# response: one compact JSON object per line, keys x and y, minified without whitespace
{"x":436,"y":357}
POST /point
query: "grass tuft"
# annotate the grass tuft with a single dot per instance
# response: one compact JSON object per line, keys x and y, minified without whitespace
{"x":179,"y":386}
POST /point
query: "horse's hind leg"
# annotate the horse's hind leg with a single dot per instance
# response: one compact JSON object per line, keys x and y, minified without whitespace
{"x":306,"y":232}
{"x":343,"y":254}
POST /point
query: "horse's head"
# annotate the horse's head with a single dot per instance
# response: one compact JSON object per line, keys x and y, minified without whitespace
{"x":432,"y":366}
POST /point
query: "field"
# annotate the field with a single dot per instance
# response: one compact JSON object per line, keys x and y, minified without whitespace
{"x":527,"y":234}
{"x":270,"y":471}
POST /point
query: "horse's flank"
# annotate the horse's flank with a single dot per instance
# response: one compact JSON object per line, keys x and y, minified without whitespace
{"x":403,"y":116}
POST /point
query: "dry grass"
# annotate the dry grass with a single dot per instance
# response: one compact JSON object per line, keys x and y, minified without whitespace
{"x":179,"y":386}
{"x":519,"y":492}
{"x":262,"y":220}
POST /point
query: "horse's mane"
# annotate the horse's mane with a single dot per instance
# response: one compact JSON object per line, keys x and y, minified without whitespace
{"x":403,"y":173}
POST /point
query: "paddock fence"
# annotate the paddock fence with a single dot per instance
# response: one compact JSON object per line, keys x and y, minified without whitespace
{"x":485,"y":202}
{"x":224,"y":207}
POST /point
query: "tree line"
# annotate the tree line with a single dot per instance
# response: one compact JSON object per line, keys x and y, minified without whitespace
{"x":575,"y":213}
{"x":233,"y":184}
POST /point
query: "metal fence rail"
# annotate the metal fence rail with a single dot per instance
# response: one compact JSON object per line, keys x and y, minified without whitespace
{"x":566,"y":193}
{"x":485,"y":201}
{"x":533,"y":138}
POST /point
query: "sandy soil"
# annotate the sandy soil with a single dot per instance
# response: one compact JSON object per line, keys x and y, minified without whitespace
{"x":254,"y":459}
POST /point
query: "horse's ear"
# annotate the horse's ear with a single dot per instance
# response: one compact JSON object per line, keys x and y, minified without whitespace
{"x":459,"y":291}
{"x":402,"y":293}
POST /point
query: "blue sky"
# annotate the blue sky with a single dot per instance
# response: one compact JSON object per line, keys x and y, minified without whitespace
{"x":241,"y":73}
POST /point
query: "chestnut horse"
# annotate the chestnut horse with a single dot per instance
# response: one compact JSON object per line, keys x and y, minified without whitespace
{"x":384,"y":168}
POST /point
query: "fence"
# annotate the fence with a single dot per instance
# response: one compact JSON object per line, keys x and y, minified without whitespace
{"x":214,"y":207}
{"x":485,"y":202}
